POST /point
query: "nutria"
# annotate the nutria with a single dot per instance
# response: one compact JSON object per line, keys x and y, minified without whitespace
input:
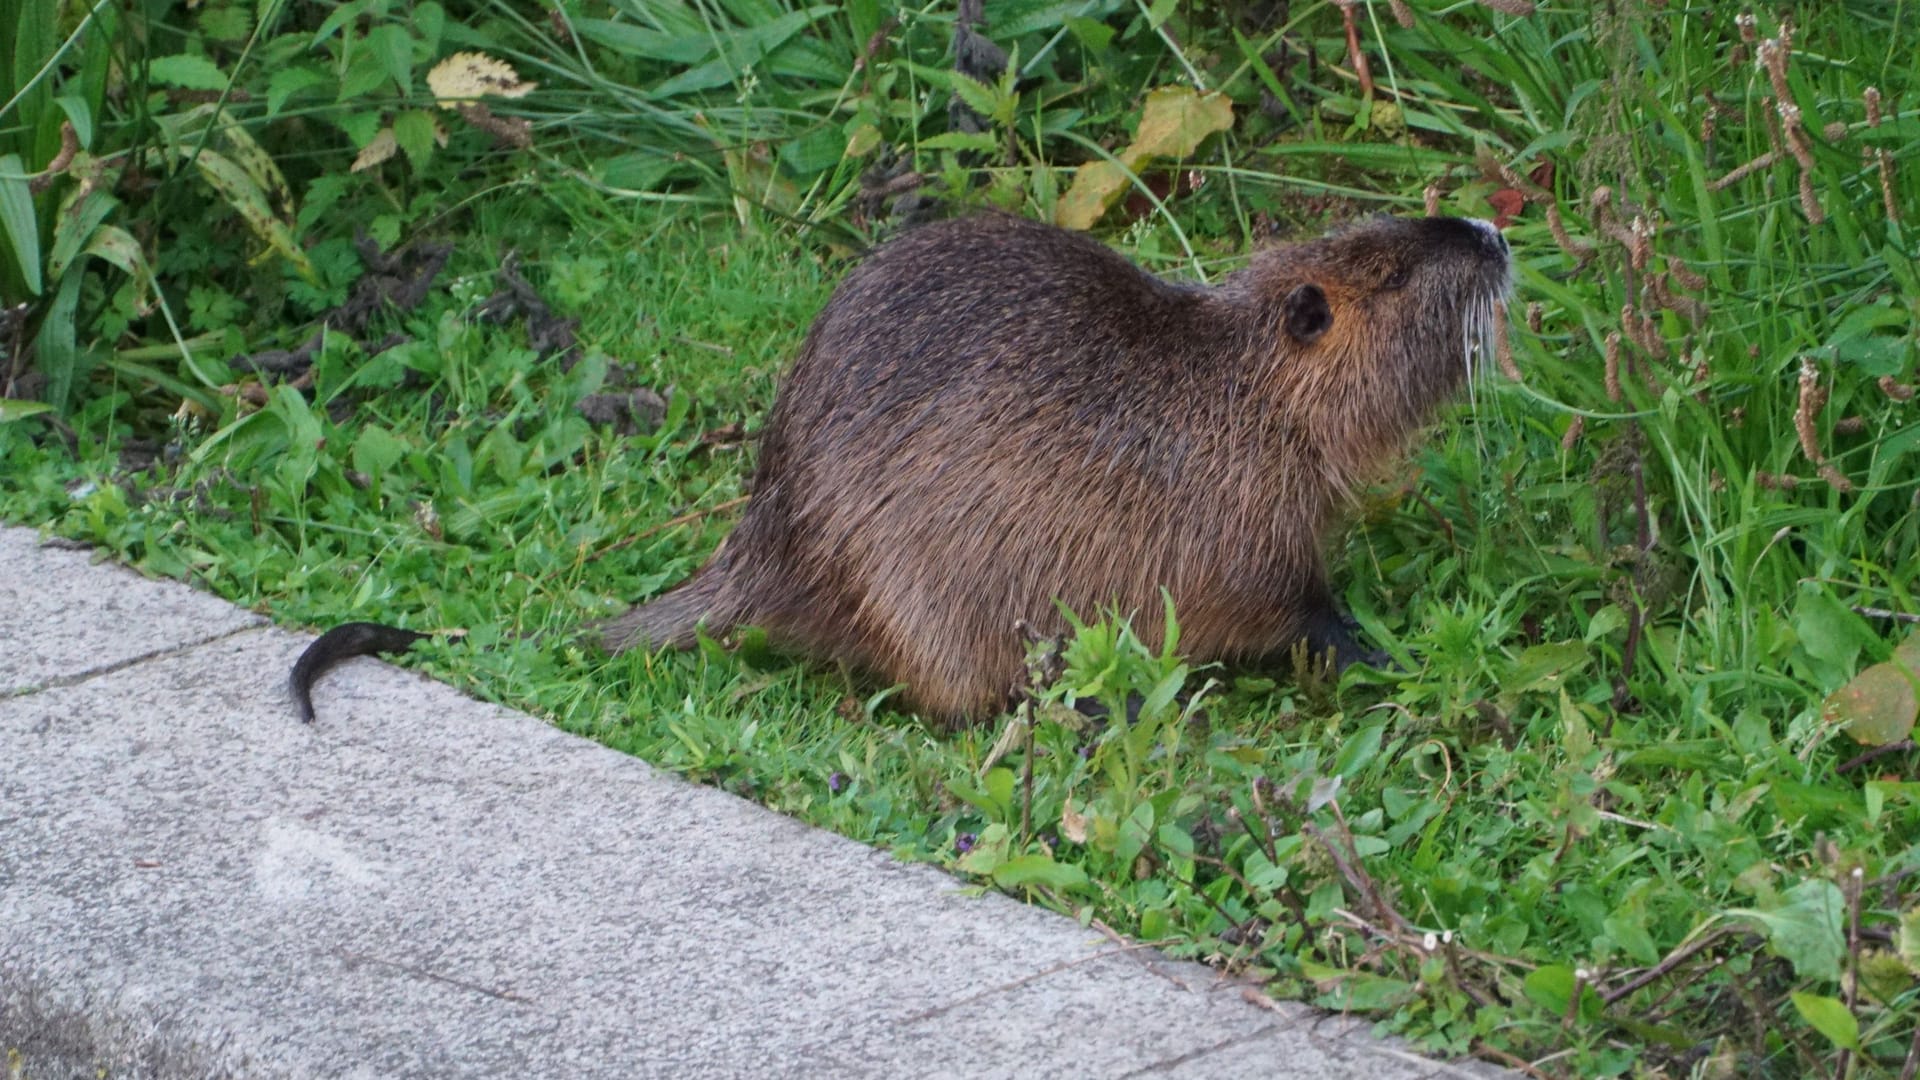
{"x":993,"y":415}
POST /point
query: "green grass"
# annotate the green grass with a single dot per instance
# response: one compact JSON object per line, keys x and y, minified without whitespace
{"x":1609,"y":758}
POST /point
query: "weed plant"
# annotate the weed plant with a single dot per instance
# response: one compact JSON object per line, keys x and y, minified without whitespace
{"x":1635,"y":805}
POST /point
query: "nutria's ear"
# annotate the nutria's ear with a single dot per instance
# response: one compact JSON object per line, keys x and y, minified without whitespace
{"x":1305,"y":314}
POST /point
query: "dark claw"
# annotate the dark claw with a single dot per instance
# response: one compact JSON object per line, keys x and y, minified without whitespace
{"x":1330,"y":633}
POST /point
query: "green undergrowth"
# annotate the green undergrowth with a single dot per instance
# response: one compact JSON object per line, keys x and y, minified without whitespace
{"x":1603,"y":822}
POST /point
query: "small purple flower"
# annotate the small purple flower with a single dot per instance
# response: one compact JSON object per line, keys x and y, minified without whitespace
{"x":836,"y":781}
{"x":963,"y":843}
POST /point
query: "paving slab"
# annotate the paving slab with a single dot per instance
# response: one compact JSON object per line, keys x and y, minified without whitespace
{"x":192,"y":883}
{"x":64,"y":615}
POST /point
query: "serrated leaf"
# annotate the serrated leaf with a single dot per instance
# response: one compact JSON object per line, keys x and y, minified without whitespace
{"x":469,"y":76}
{"x":187,"y":72}
{"x":376,"y":450}
{"x":417,"y":131}
{"x":393,"y":46}
{"x":981,"y":97}
{"x":1830,"y":1017}
{"x":286,"y":82}
{"x":365,"y":73}
{"x":227,"y":23}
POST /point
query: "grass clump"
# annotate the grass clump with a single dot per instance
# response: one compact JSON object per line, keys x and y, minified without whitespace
{"x":1619,"y":816}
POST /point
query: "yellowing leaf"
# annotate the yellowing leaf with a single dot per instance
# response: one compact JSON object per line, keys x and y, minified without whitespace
{"x":1878,"y":706}
{"x":1176,"y":120}
{"x":1095,"y":187}
{"x":1908,"y":651}
{"x":1907,"y":942}
{"x":383,"y":146}
{"x":1073,"y":825}
{"x":465,"y":77}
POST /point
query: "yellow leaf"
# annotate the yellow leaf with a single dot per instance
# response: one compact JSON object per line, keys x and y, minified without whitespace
{"x":1073,"y":825}
{"x":383,"y":146}
{"x":465,"y":77}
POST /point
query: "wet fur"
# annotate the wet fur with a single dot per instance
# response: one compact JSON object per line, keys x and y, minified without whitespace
{"x":993,"y":414}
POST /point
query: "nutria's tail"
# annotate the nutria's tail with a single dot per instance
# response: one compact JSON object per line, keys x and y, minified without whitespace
{"x":673,"y":619}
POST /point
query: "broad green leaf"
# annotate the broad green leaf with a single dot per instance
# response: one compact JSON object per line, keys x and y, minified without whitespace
{"x":1134,"y":832}
{"x":80,"y":115}
{"x":1828,"y":631}
{"x":18,"y":220}
{"x":56,"y":347}
{"x":1551,"y":987}
{"x":1038,"y":870}
{"x":1544,"y":666}
{"x":1356,"y":991}
{"x":1805,"y":927}
{"x":75,"y":226}
{"x":12,"y":409}
{"x":1830,"y":1017}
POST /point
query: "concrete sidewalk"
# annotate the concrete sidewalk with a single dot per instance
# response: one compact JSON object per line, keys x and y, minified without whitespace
{"x":192,"y":883}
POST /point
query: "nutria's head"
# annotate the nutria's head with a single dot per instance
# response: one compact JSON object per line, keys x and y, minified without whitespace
{"x":1379,"y":323}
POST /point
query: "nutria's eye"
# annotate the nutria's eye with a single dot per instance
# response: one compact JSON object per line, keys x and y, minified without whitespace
{"x":1397,"y":279}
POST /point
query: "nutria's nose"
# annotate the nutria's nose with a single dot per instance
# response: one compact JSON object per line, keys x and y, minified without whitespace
{"x":1491,"y":233}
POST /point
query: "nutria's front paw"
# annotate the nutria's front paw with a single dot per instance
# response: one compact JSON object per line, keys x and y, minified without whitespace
{"x":1330,"y":637}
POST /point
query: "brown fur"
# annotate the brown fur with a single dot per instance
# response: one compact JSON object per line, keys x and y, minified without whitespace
{"x":993,"y":414}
